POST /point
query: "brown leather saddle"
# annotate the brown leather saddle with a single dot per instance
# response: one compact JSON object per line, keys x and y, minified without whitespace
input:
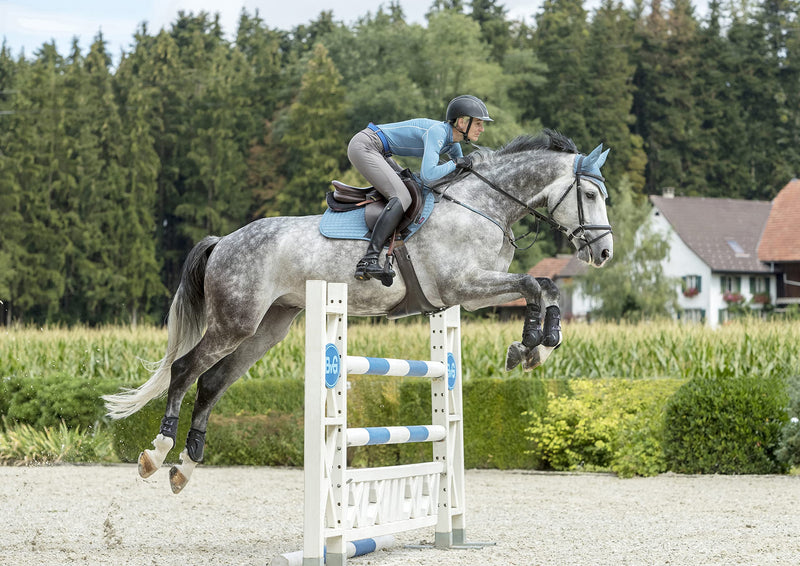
{"x":344,"y":198}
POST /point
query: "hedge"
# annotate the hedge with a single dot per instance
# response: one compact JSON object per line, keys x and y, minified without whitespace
{"x":260,"y":422}
{"x":726,"y":425}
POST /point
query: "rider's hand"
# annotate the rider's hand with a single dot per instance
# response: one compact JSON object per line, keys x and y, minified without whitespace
{"x":464,"y":162}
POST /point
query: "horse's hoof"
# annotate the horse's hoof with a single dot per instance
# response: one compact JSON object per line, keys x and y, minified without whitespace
{"x":146,"y":465}
{"x":533,"y":359}
{"x":177,"y":480}
{"x":514,"y":355}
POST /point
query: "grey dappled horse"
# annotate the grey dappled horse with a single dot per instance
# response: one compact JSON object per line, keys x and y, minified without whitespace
{"x":246,"y":288}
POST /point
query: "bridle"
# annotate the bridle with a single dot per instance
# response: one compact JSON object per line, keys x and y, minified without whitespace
{"x":579,"y":233}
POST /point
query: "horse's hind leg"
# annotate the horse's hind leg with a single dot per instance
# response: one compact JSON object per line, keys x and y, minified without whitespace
{"x":215,"y":345}
{"x":213,"y":383}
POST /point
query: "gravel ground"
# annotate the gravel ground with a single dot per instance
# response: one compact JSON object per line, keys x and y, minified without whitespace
{"x":236,"y":515}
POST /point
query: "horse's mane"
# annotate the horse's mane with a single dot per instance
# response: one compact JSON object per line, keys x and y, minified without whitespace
{"x":547,"y":139}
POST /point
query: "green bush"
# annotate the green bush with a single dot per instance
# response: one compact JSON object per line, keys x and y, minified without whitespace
{"x":496,"y":415}
{"x":726,"y":425}
{"x":612,"y":424}
{"x":788,"y":452}
{"x":49,"y":402}
{"x":272,"y":399}
{"x":272,"y":439}
{"x":21,"y":443}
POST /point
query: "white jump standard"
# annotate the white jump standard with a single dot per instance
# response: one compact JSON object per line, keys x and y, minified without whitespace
{"x":344,"y":505}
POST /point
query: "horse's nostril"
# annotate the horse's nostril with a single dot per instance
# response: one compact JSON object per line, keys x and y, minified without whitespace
{"x":605,"y":254}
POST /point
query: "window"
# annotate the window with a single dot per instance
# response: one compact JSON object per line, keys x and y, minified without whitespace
{"x":759,"y":285}
{"x":693,"y":315}
{"x":691,"y":285}
{"x":731,"y":284}
{"x":737,"y":249}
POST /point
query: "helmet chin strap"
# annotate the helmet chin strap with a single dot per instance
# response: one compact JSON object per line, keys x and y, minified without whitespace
{"x":463,"y":133}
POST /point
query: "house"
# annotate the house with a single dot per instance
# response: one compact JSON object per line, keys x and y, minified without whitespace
{"x":714,"y":252}
{"x":780,"y":244}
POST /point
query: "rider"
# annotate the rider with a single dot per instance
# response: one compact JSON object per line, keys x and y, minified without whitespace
{"x":370,"y":152}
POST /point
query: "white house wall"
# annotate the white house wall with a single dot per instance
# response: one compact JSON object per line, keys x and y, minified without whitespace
{"x":682,"y":261}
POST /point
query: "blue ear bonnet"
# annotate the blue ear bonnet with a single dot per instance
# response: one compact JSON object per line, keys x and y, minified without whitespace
{"x":589,"y":166}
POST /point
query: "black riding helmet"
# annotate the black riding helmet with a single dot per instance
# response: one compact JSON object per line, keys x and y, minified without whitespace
{"x":467,"y":105}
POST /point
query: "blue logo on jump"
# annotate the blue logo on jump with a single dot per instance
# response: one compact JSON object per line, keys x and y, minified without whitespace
{"x":333,"y":365}
{"x":451,"y":370}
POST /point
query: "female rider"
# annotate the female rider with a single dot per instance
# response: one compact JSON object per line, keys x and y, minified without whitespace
{"x":370,"y":152}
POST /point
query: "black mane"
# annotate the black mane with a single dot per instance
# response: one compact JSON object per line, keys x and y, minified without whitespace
{"x":548,"y":139}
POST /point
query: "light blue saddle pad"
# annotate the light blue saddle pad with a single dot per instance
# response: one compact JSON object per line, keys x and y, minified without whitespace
{"x":352,"y":226}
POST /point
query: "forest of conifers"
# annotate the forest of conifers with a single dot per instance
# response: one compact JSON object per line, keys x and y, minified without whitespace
{"x":112,"y":165}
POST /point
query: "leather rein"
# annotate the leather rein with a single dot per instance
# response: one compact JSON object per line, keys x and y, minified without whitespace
{"x":578,"y":233}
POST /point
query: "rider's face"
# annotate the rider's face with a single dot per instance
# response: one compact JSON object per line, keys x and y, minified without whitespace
{"x":475,"y":130}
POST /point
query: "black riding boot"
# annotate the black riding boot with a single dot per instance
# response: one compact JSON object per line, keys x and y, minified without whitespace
{"x":369,"y":266}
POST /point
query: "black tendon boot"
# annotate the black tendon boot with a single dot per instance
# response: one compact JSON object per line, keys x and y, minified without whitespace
{"x":369,"y":266}
{"x":532,"y":334}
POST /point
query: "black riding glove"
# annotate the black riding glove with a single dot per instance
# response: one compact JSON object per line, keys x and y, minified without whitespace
{"x":464,"y":162}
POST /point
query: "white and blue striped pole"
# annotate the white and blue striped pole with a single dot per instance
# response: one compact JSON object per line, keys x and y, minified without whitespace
{"x":370,"y":436}
{"x":354,"y":548}
{"x":362,"y":365}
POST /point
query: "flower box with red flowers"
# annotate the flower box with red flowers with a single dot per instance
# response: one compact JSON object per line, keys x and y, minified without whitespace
{"x":732,"y":298}
{"x":690,"y":292}
{"x":761,"y":299}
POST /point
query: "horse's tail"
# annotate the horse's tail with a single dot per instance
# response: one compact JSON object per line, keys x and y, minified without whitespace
{"x":185,"y":325}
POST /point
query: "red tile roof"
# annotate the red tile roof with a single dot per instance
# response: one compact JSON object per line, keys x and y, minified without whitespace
{"x":781,"y":238}
{"x":549,"y":266}
{"x":553,"y":268}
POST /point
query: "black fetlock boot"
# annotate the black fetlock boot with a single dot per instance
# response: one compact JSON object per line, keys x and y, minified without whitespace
{"x":532,"y":334}
{"x":552,"y":327}
{"x":369,"y":266}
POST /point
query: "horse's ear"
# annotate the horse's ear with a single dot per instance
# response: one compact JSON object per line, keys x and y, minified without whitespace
{"x":590,"y":159}
{"x":602,"y":159}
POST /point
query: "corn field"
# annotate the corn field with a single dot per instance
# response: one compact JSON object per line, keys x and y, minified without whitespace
{"x":663,"y":349}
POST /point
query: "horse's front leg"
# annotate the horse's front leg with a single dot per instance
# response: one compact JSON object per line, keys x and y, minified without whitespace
{"x":484,"y":288}
{"x":538,"y":341}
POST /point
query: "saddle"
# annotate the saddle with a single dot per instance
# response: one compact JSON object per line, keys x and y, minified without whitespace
{"x":344,"y":198}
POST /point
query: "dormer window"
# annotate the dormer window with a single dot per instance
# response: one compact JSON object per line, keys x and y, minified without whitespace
{"x":737,"y":249}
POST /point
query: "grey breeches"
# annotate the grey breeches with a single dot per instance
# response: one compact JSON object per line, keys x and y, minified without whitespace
{"x":365,"y":152}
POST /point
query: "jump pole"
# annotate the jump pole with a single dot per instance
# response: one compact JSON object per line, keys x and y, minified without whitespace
{"x":344,"y":505}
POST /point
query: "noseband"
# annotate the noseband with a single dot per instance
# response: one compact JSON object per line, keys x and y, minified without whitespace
{"x":578,"y":233}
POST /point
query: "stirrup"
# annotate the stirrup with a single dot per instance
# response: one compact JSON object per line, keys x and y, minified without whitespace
{"x":368,"y":268}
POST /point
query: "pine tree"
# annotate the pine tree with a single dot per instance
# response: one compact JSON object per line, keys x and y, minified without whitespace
{"x":495,"y":27}
{"x":560,"y":42}
{"x":42,"y":154}
{"x":315,"y":140}
{"x":669,"y":121}
{"x":610,"y":92}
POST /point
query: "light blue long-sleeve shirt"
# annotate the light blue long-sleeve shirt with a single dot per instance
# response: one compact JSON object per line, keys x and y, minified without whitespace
{"x":422,"y":137}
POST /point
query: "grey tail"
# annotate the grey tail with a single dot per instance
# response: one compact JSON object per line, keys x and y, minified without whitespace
{"x":185,"y":326}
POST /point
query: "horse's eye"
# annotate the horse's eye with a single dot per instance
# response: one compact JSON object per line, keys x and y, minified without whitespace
{"x":591,"y":195}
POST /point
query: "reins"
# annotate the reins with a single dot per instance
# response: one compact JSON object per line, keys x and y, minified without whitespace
{"x":579,"y":232}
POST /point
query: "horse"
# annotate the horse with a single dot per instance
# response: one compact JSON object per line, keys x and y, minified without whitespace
{"x":239,"y":294}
